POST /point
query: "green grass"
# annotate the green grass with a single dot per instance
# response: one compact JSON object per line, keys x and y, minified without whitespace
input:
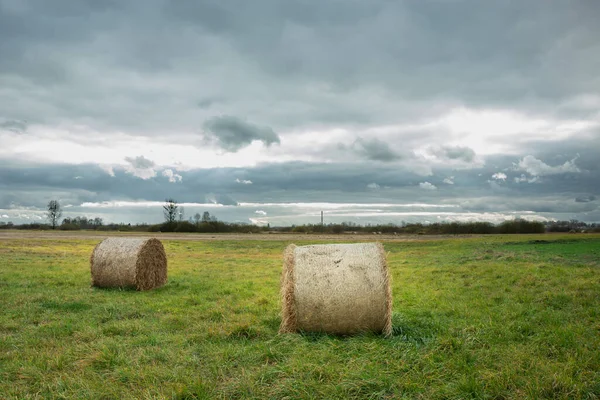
{"x":496,"y":317}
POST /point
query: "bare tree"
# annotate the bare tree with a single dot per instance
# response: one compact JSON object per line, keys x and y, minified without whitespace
{"x":197,"y":218}
{"x":170,"y":210}
{"x":205,"y":216}
{"x":54,"y":213}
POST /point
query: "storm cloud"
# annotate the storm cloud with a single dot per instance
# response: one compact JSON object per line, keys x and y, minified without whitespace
{"x":460,"y":103}
{"x":585,"y":199}
{"x":232,"y":134}
{"x":455,"y":153}
{"x":375,"y":150}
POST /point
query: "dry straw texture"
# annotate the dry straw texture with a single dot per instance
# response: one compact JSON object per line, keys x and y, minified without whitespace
{"x":336,"y":288}
{"x":129,"y":262}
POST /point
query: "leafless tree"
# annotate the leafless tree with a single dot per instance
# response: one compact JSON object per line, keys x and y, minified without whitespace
{"x":170,"y":210}
{"x":54,"y":213}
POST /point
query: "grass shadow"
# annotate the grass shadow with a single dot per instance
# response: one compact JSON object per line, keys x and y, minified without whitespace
{"x":317,"y":336}
{"x":417,"y":330}
{"x":323,"y":336}
{"x":115,"y":289}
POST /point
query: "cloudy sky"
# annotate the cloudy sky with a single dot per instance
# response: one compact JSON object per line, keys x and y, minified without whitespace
{"x":270,"y":111}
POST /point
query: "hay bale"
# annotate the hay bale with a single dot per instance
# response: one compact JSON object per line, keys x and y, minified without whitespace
{"x":336,"y":288}
{"x":129,"y":262}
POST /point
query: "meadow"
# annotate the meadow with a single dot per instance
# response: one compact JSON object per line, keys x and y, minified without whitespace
{"x":489,"y":317}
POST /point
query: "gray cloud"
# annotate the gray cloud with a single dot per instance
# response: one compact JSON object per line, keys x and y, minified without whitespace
{"x":9,"y":200}
{"x":90,"y":72}
{"x":585,"y":199}
{"x":208,"y":102}
{"x":31,"y":187}
{"x":232,"y":133}
{"x":12,"y":125}
{"x":293,"y":181}
{"x":579,"y":151}
{"x":454,"y":153}
{"x":316,"y":61}
{"x":375,"y":150}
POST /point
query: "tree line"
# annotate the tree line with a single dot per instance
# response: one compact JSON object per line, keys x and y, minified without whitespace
{"x":174,"y":221}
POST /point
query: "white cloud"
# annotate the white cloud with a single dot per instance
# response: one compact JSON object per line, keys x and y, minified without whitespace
{"x":142,"y":204}
{"x":334,"y":206}
{"x":258,"y":221}
{"x":499,"y":176}
{"x":523,"y":178}
{"x":489,"y":131}
{"x":108,"y":169}
{"x":173,"y":177}
{"x":260,"y":212}
{"x":5,"y":216}
{"x":536,"y":167}
{"x":373,"y":186}
{"x":449,"y":180}
{"x":427,"y":186}
{"x":244,"y":181}
{"x":140,"y":167}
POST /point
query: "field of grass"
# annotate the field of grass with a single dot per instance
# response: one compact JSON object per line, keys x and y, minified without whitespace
{"x":495,"y":317}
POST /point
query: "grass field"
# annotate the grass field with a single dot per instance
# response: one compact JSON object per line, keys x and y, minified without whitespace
{"x":498,"y":317}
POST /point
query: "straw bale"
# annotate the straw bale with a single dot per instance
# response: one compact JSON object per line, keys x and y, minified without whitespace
{"x":336,"y":288}
{"x":138,"y":263}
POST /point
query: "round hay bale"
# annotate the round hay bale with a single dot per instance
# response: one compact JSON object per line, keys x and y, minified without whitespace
{"x":129,"y":262}
{"x":336,"y":288}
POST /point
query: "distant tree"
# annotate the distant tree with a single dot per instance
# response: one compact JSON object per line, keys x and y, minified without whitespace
{"x":98,"y":222}
{"x":83,"y":222}
{"x":54,"y":213}
{"x":197,"y":218}
{"x":206,"y":216}
{"x":170,"y":210}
